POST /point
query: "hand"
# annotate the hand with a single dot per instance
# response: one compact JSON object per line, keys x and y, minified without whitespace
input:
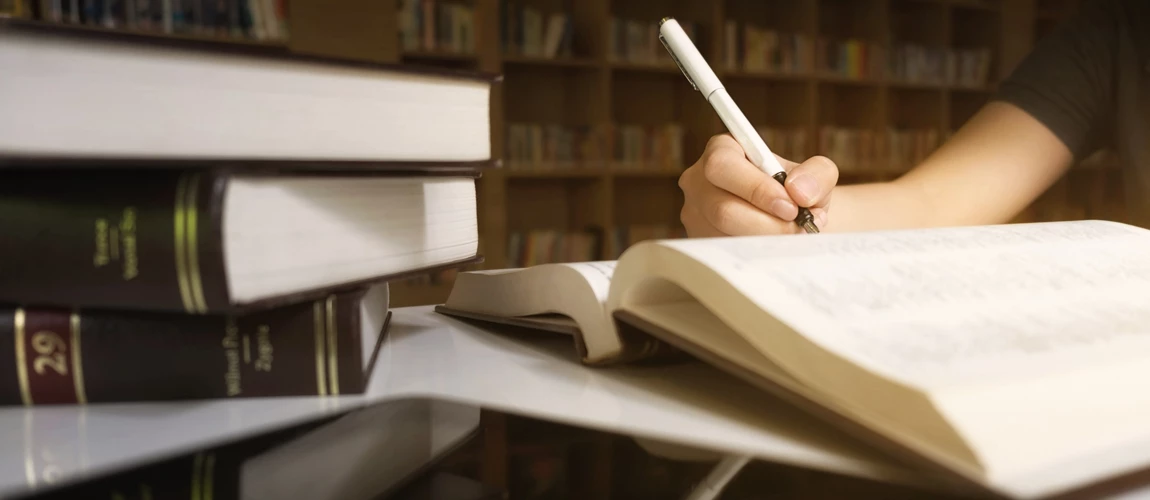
{"x":726,"y":195}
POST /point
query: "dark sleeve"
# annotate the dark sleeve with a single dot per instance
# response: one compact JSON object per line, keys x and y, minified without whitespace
{"x":1067,"y":81}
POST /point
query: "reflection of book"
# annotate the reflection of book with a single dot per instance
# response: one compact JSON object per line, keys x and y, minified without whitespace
{"x":1013,"y":358}
{"x":359,"y":455}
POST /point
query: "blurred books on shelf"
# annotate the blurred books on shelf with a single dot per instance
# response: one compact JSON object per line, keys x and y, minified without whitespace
{"x":856,"y":59}
{"x":754,"y":49}
{"x":436,"y":26}
{"x":624,"y":237}
{"x":851,"y":58}
{"x":626,"y":147}
{"x":911,"y":63}
{"x":551,"y":144}
{"x":528,"y":248}
{"x":890,"y":150}
{"x":528,"y":31}
{"x":648,"y":146}
{"x":263,"y":20}
{"x":15,"y":8}
{"x":791,"y":143}
{"x":637,"y":42}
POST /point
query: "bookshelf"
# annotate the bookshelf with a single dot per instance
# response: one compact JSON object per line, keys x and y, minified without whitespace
{"x":594,"y":123}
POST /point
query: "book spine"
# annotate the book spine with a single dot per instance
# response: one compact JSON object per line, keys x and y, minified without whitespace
{"x":123,"y":239}
{"x":63,"y":356}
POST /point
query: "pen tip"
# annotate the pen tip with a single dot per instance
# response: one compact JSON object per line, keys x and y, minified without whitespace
{"x":810,"y":227}
{"x":664,"y":20}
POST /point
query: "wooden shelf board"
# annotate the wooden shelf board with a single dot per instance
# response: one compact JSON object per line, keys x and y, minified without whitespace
{"x":563,"y":62}
{"x":668,"y":67}
{"x":831,"y":78}
{"x":766,"y":75}
{"x":591,"y":172}
{"x":975,"y":4}
{"x":556,"y":173}
{"x":439,"y":55}
{"x":653,"y":172}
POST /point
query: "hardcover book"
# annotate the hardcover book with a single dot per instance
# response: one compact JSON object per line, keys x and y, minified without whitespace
{"x":217,"y":240}
{"x":324,"y":347}
{"x":1011,"y":359}
{"x":73,"y":92}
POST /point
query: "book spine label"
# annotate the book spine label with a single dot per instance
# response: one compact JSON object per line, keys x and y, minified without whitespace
{"x":102,"y":238}
{"x":63,"y":356}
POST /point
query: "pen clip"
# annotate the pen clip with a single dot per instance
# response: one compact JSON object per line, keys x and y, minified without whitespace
{"x":677,"y":63}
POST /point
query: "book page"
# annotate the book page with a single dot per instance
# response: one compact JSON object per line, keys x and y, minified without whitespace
{"x":946,"y":306}
{"x":598,"y":275}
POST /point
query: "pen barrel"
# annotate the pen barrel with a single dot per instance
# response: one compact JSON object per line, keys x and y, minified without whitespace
{"x":744,"y":133}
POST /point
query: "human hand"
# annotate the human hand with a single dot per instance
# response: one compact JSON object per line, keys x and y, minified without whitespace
{"x":726,"y":195}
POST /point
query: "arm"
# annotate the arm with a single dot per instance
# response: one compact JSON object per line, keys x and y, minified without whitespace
{"x":1055,"y":108}
{"x":990,"y":170}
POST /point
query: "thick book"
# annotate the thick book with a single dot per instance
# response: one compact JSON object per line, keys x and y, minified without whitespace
{"x":65,"y":356}
{"x":77,"y":92}
{"x":1012,"y":359}
{"x":216,"y":240}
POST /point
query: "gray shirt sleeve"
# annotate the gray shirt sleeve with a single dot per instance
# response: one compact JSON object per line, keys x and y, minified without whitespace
{"x":1067,"y":82}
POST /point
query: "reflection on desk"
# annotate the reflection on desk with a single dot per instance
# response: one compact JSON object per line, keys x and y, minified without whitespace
{"x":427,"y":355}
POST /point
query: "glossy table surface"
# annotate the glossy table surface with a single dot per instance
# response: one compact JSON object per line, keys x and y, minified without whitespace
{"x":671,"y":409}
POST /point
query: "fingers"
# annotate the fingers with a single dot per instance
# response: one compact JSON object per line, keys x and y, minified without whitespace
{"x":725,"y":166}
{"x":810,"y":183}
{"x":710,"y":211}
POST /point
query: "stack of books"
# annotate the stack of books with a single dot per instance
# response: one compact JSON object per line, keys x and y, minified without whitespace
{"x":188,"y":220}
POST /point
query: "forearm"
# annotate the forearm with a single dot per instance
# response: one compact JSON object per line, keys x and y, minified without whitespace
{"x":989,"y":171}
{"x":875,"y":206}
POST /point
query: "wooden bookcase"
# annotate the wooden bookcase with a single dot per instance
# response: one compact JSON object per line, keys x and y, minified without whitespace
{"x":590,"y":86}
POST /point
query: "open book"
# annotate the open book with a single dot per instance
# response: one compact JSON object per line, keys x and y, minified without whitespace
{"x":1013,"y":358}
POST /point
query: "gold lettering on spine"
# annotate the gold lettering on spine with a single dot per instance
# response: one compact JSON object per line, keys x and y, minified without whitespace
{"x":320,"y":379}
{"x":197,"y":476}
{"x":181,"y":265}
{"x":77,"y":366}
{"x":100,"y":259}
{"x":193,"y":251}
{"x":332,"y":360}
{"x":209,"y":471}
{"x":127,"y":231}
{"x":21,"y":361}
